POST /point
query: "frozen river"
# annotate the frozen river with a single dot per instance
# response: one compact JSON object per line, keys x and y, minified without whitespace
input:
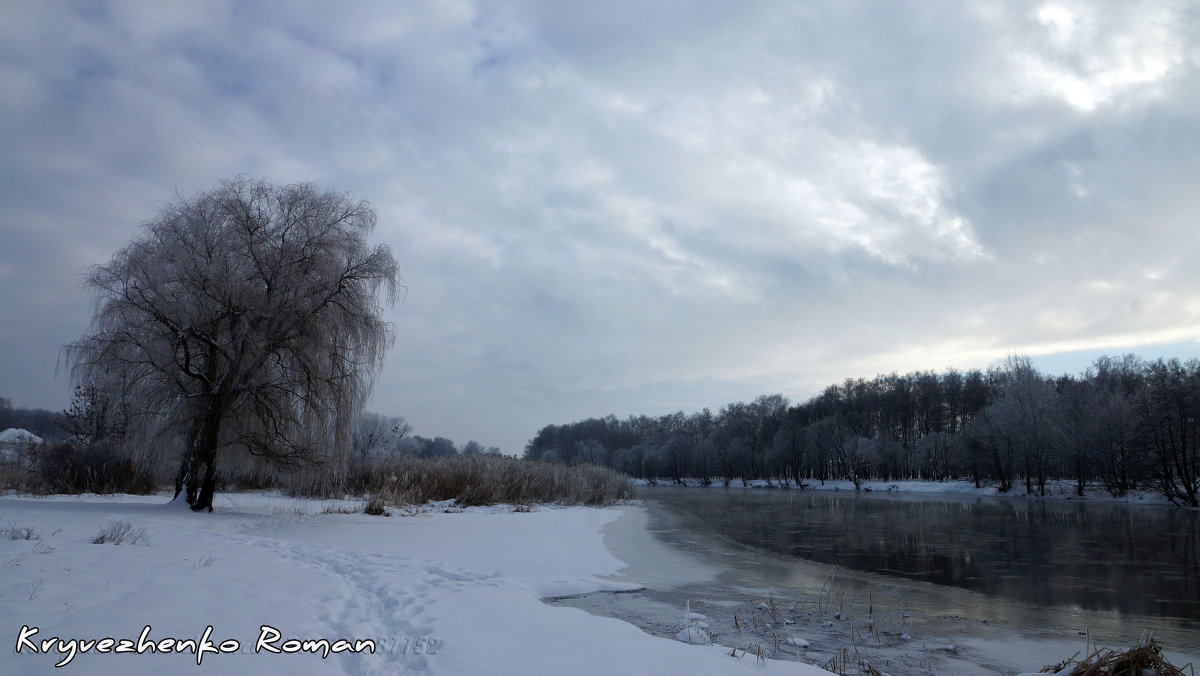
{"x":1141,"y":560}
{"x":914,"y":584}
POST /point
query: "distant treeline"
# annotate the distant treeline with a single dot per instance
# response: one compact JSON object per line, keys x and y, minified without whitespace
{"x":1125,"y":423}
{"x":36,"y":420}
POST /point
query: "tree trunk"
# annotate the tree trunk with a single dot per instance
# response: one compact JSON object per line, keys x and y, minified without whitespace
{"x":187,"y":465}
{"x":180,"y":478}
{"x":203,"y":502}
{"x":183,"y":479}
{"x":193,"y":481}
{"x":200,"y":490}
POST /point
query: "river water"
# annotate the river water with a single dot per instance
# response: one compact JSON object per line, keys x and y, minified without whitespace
{"x":1142,"y":560}
{"x":912,"y":584}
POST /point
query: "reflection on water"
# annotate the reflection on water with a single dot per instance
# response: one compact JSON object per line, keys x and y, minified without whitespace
{"x":1129,"y":559}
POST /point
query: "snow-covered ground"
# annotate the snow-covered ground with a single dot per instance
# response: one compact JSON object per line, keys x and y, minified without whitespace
{"x":1055,"y":490}
{"x":441,"y":592}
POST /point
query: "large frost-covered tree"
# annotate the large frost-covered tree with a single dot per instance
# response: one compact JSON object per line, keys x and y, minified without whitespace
{"x":248,"y":321}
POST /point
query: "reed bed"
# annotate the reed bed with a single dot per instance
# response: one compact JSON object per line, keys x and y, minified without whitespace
{"x":493,"y":479}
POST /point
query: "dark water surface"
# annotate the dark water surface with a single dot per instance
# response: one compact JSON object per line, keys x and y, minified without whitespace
{"x":1128,"y":559}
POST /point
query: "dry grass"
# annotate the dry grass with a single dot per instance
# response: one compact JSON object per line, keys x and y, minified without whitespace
{"x":121,"y":532}
{"x":490,"y":479}
{"x":19,"y":478}
{"x":1144,"y":659}
{"x":848,"y":661}
{"x":60,"y":468}
{"x":15,"y":532}
{"x":344,"y":509}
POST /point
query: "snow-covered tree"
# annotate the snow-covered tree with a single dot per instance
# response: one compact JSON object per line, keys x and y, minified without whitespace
{"x":376,"y":434}
{"x":473,"y":447}
{"x":1022,"y":416}
{"x":246,"y":320}
{"x":1170,"y":408}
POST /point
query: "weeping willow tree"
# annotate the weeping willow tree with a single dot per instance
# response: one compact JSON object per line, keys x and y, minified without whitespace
{"x":246,"y":322}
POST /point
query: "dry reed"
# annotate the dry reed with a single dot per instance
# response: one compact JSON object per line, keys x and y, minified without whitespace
{"x":1143,"y":659}
{"x":489,"y":479}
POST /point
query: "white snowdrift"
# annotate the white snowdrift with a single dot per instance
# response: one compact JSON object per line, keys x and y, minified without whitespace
{"x":16,"y":435}
{"x":438,"y":593}
{"x":14,"y":440}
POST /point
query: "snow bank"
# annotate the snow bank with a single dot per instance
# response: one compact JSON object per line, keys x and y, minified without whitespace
{"x":242,"y":589}
{"x":1055,"y":490}
{"x":14,"y":435}
{"x":13,"y":440}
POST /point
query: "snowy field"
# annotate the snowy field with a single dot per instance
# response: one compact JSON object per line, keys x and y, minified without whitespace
{"x":240,"y":590}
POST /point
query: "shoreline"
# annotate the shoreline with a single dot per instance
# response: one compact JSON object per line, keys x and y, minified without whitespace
{"x":446,"y":590}
{"x":1057,"y":490}
{"x":935,"y":617}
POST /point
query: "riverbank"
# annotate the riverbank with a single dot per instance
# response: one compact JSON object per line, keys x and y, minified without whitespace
{"x":441,"y":591}
{"x":1055,"y":490}
{"x":902,"y":626}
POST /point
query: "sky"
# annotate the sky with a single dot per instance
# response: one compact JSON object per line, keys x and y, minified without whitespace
{"x":637,"y":207}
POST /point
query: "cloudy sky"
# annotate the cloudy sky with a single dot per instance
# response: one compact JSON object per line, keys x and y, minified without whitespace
{"x":637,"y":207}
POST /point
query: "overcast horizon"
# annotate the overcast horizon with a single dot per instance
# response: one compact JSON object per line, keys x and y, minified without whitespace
{"x":637,"y":208}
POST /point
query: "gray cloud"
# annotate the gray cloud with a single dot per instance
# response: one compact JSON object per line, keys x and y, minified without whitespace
{"x":635,"y":208}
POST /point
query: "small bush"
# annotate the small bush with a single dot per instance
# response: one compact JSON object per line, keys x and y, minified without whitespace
{"x":14,"y":532}
{"x":121,"y":532}
{"x":376,"y":507}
